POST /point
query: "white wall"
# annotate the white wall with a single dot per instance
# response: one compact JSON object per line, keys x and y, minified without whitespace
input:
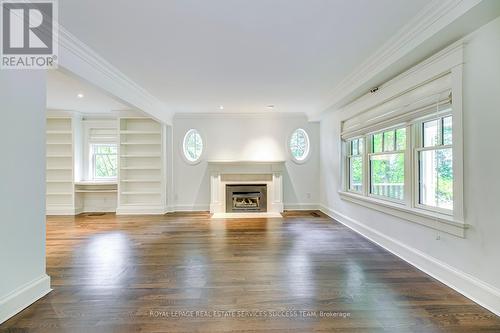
{"x":244,"y":137}
{"x":471,"y":263}
{"x":22,"y":193}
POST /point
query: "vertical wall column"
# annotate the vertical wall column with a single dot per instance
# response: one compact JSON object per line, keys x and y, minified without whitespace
{"x":22,"y":195}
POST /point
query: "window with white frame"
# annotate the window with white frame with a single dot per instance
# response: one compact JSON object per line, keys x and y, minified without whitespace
{"x":355,"y":149}
{"x":412,"y":128}
{"x":100,"y":149}
{"x":435,"y":163}
{"x":299,"y":145}
{"x":104,"y":159}
{"x":387,"y":163}
{"x":419,"y":151}
{"x":192,"y":146}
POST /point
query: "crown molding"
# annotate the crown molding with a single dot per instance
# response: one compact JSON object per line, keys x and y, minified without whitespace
{"x":223,"y":115}
{"x":79,"y":59}
{"x":428,"y":22}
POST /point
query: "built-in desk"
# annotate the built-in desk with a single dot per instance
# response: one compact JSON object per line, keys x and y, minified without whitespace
{"x":93,"y":187}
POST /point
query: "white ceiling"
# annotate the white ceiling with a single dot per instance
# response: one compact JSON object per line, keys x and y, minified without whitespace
{"x":195,"y":55}
{"x":62,"y":91}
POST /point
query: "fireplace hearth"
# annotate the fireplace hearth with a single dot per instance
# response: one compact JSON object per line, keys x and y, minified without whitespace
{"x":246,"y":198}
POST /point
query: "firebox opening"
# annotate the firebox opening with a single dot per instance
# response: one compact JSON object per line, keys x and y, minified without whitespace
{"x":246,"y":198}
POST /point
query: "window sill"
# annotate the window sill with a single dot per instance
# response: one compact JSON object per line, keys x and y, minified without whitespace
{"x":433,"y":220}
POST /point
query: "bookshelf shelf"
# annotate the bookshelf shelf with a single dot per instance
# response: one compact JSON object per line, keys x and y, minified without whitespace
{"x":142,"y":181}
{"x":60,"y":166}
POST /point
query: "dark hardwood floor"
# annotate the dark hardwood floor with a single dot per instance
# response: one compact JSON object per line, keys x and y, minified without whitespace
{"x":302,"y":273}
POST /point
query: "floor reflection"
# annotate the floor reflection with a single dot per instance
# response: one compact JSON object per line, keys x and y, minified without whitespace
{"x":106,"y":256}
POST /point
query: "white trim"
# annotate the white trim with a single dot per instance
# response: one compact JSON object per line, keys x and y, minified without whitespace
{"x":427,"y":23}
{"x":54,"y":210}
{"x":471,"y":287}
{"x":206,"y":207}
{"x":458,"y":143}
{"x":430,"y":219}
{"x":246,"y":215}
{"x":141,"y":210}
{"x":191,"y":208}
{"x":228,"y":115}
{"x":302,"y":206}
{"x":24,"y":296}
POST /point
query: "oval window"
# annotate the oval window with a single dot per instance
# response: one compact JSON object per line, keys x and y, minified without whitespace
{"x":299,"y":145}
{"x":192,"y":146}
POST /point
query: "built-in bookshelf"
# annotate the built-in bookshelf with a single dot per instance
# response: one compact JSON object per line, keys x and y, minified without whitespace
{"x":141,"y":186}
{"x":60,"y":166}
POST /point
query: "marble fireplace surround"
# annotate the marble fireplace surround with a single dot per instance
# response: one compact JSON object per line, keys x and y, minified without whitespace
{"x":223,"y":173}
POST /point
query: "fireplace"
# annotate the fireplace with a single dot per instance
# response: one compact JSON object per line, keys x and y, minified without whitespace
{"x":246,"y":198}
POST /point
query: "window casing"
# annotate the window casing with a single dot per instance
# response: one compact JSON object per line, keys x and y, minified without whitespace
{"x":424,"y":92}
{"x":192,"y":146}
{"x":299,"y":145}
{"x":408,"y":165}
{"x":434,"y":164}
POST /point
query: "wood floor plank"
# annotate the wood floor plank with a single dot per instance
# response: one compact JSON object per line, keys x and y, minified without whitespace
{"x":184,"y":272}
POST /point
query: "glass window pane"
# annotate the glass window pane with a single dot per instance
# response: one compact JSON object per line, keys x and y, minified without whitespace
{"x":299,"y":144}
{"x":389,"y":141}
{"x":193,"y":145}
{"x":431,"y":133}
{"x":436,"y":178}
{"x":105,"y":166}
{"x":401,"y":139}
{"x":448,"y":130}
{"x":360,"y":146}
{"x":387,"y":175}
{"x":356,"y":173}
{"x":105,"y":160}
{"x":377,"y":143}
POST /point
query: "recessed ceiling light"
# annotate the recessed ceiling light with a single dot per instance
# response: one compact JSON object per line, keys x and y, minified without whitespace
{"x":80,"y":95}
{"x":221,"y":107}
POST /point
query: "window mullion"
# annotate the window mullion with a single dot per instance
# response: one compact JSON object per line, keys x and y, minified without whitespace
{"x":408,"y":168}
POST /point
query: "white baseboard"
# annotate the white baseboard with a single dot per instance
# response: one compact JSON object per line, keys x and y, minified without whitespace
{"x":471,"y":287}
{"x":23,"y":297}
{"x":192,"y":208}
{"x":302,"y":206}
{"x":203,"y":207}
{"x":141,"y":210}
{"x":246,"y":215}
{"x":60,"y":210}
{"x":155,"y":210}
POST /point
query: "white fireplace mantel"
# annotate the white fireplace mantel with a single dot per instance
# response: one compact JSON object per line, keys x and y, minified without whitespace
{"x":223,"y":173}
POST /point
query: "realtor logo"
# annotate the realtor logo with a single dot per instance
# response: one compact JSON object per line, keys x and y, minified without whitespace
{"x":29,"y":34}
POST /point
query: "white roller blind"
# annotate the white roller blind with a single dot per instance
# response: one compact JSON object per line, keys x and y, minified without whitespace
{"x":103,"y":135}
{"x":417,"y":102}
